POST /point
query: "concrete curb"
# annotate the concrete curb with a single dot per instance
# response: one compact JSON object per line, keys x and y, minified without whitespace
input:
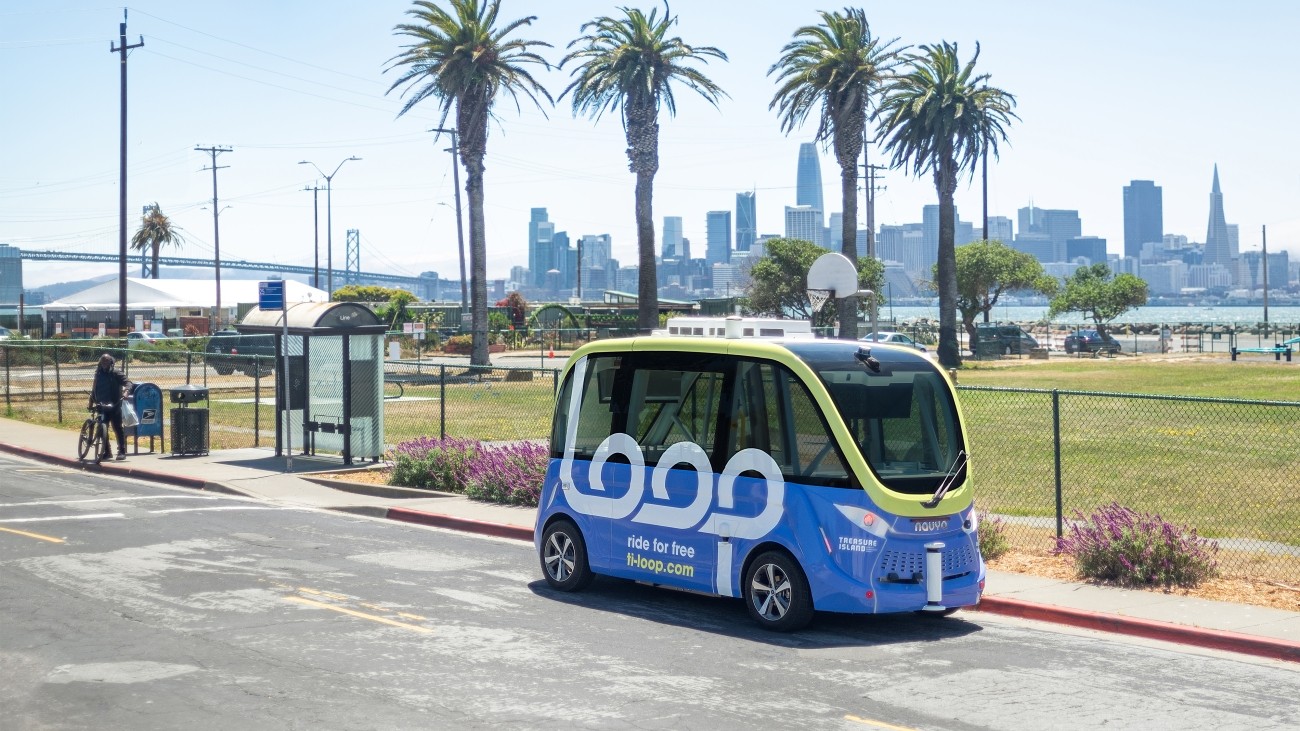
{"x":469,"y":525}
{"x":123,"y":470}
{"x":1151,"y":629}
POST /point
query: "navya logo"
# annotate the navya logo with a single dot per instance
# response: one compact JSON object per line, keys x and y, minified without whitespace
{"x":929,"y":525}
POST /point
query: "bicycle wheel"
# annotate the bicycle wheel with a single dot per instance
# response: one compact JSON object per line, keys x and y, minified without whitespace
{"x":101,"y":442}
{"x":87,"y":439}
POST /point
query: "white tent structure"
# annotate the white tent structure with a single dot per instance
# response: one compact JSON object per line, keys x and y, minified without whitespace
{"x":169,"y":299}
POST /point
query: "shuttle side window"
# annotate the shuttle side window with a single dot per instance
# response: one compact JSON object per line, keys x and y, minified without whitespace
{"x":671,"y":400}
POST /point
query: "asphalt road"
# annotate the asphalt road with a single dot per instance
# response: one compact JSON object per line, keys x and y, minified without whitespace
{"x":125,"y":605}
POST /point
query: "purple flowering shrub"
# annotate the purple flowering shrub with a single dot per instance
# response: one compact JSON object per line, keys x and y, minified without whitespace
{"x":436,"y":464}
{"x":1118,"y":544}
{"x":992,"y":535}
{"x":510,"y":473}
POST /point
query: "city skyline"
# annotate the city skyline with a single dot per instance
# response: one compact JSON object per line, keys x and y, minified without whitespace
{"x":232,"y":76}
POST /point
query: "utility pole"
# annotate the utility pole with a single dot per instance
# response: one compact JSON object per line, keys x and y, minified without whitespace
{"x":121,"y":184}
{"x":315,"y":217}
{"x":460,"y":231}
{"x":1264,"y":232}
{"x":216,"y":228}
{"x":869,"y":173}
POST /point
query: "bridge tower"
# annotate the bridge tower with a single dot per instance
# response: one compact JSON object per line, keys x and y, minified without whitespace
{"x":352,"y":266}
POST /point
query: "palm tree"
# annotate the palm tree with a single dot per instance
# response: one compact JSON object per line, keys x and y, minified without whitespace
{"x":156,"y":231}
{"x":834,"y":69}
{"x":942,"y":117}
{"x":630,"y":64}
{"x":460,"y":58}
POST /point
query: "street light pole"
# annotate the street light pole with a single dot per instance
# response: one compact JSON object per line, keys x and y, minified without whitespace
{"x":460,"y":230}
{"x":315,"y":218}
{"x":329,"y":222}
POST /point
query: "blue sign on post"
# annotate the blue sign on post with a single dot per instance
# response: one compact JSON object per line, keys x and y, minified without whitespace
{"x":270,"y":295}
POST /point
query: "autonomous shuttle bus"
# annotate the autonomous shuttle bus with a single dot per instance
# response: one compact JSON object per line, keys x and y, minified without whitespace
{"x":795,"y":473}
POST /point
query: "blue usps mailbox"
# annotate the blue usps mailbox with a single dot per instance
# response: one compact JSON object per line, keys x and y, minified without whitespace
{"x":147,"y":400}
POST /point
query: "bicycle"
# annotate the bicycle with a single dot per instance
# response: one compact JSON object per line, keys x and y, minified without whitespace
{"x":94,"y":434}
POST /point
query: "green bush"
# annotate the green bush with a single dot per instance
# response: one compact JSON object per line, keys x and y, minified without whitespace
{"x":1118,"y":544}
{"x":459,"y":344}
{"x":435,"y":464}
{"x":992,"y":536}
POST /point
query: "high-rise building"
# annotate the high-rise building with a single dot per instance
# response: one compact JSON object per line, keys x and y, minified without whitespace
{"x":803,"y":222}
{"x":1218,"y":247}
{"x":999,"y":229}
{"x":834,"y":234}
{"x":808,"y":186}
{"x":11,"y":274}
{"x":536,"y":267}
{"x":1091,"y":248}
{"x":1061,"y":226}
{"x":717,"y":237}
{"x":746,"y":221}
{"x":596,"y":251}
{"x":672,"y":241}
{"x":1144,"y":218}
{"x":1055,"y":225}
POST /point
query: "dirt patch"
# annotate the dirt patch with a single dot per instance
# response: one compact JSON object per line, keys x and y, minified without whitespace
{"x":1255,"y":592}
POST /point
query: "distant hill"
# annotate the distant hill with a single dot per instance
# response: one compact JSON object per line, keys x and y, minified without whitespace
{"x":62,"y":289}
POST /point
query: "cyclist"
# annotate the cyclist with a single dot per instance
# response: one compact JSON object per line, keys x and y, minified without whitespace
{"x":107,"y":389}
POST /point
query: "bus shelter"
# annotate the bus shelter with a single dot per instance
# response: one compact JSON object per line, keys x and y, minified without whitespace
{"x":334,"y":398}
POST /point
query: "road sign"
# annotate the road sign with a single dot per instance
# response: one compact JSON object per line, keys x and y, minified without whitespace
{"x":270,"y":295}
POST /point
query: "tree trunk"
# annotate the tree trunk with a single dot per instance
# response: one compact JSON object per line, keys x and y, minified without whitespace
{"x":848,"y":145}
{"x":643,"y":154}
{"x":473,"y":128}
{"x":945,"y":181}
{"x":154,"y":271}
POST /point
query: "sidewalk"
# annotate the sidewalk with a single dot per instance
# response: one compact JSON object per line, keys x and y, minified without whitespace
{"x":258,"y":473}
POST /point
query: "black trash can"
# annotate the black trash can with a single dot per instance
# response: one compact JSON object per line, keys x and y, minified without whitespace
{"x":189,"y":422}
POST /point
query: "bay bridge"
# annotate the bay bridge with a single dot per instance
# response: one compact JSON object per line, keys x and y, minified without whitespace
{"x":423,"y":287}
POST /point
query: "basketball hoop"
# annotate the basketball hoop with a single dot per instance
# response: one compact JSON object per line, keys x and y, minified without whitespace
{"x":831,"y":275}
{"x":817,"y":299}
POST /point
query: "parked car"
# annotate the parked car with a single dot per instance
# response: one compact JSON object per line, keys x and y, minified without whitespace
{"x":228,"y":351}
{"x":893,"y":338}
{"x":999,"y":339}
{"x":1090,"y":341}
{"x":4,"y":333}
{"x":143,"y":337}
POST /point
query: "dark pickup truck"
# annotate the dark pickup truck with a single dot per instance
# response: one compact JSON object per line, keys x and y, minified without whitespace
{"x":229,"y":351}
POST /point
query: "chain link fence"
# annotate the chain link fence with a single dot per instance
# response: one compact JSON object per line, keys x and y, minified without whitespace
{"x":1224,"y":467}
{"x":1221,"y":466}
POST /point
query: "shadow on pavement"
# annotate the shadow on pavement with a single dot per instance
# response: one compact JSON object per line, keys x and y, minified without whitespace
{"x":727,"y":617}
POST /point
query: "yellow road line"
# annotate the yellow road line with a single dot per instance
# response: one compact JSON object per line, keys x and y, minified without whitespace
{"x":37,"y":536}
{"x":878,"y":724}
{"x":416,"y":617}
{"x":360,"y":615}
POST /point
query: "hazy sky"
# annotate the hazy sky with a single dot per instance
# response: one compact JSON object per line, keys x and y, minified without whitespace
{"x":1108,"y":92}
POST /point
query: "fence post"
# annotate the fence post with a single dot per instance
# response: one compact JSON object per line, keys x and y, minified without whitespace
{"x":40,"y":356}
{"x":58,"y":384}
{"x":442,"y":401}
{"x":257,"y":401}
{"x":555,"y":384}
{"x":8,"y":354}
{"x":189,"y":359}
{"x":1056,"y":447}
